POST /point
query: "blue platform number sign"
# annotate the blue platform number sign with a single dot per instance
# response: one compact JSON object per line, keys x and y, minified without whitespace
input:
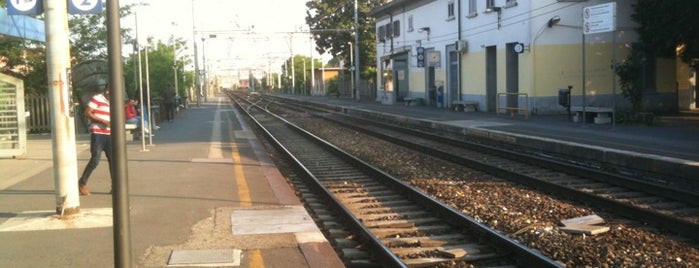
{"x":24,"y":7}
{"x":84,"y":6}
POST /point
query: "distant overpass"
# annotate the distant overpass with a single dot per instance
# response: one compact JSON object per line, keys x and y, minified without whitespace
{"x":20,"y":26}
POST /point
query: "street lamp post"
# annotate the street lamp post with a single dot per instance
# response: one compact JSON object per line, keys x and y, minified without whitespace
{"x":356,"y":47}
{"x":197,"y":81}
{"x":174,"y":61}
{"x":204,"y":70}
{"x":351,"y":68}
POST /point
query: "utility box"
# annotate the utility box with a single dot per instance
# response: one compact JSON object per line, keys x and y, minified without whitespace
{"x":13,"y":126}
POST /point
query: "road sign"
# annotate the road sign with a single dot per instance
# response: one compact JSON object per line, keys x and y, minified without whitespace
{"x":84,"y":6}
{"x":24,"y":7}
{"x":599,"y":18}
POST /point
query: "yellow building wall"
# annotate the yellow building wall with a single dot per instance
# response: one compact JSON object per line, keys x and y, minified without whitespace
{"x":417,"y":82}
{"x":473,"y":73}
{"x":558,"y":66}
{"x":666,"y":76}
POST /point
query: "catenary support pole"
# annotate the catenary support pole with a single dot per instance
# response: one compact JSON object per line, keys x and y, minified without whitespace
{"x":356,"y":51}
{"x":120,"y":194}
{"x":65,"y":164}
{"x":151,"y":120}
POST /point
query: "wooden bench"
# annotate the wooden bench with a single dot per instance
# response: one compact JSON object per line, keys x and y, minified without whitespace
{"x":466,"y":106}
{"x":602,"y":115}
{"x":130,"y":131}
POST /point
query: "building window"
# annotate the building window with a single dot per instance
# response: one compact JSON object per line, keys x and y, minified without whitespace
{"x":510,"y":3}
{"x":450,"y":9}
{"x":396,"y":28}
{"x":389,"y":31}
{"x":489,"y":4}
{"x":410,"y":23}
{"x":472,"y":11}
{"x":381,"y":34}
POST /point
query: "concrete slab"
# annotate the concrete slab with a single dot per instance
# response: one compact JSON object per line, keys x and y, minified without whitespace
{"x":49,"y":220}
{"x":205,"y":258}
{"x":293,"y":219}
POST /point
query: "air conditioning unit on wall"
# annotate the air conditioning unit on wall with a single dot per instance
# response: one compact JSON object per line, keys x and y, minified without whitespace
{"x":461,"y":46}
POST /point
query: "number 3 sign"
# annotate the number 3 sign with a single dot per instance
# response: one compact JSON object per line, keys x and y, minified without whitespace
{"x":84,"y":6}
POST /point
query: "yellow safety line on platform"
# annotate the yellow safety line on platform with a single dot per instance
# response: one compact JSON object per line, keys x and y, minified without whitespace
{"x":256,"y":259}
{"x":241,"y":182}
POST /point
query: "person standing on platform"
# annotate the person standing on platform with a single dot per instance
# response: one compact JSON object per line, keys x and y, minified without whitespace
{"x":100,"y":141}
{"x":440,"y":97}
{"x":169,"y":102}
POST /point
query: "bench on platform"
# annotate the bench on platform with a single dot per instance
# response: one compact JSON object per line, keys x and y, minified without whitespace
{"x":409,"y":101}
{"x":602,"y":115}
{"x":130,"y":131}
{"x":466,"y":106}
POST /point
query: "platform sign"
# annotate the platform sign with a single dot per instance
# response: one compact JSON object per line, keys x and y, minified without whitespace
{"x":24,"y":7}
{"x":599,"y":18}
{"x":84,"y":6}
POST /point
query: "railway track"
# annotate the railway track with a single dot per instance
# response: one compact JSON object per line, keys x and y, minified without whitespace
{"x":388,"y":222}
{"x":665,"y":207}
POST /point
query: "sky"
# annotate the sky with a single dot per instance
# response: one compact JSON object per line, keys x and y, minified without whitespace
{"x":248,"y":33}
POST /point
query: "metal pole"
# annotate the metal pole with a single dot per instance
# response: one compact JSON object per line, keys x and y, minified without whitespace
{"x":174,"y":62}
{"x":583,"y":79}
{"x":151,"y":120}
{"x":352,"y":68}
{"x":614,"y":78}
{"x":205,"y":86}
{"x":313,"y":70}
{"x":356,"y":50}
{"x":293,"y":71}
{"x":65,"y":163}
{"x":140,"y":88}
{"x":197,"y":81}
{"x":120,"y":196}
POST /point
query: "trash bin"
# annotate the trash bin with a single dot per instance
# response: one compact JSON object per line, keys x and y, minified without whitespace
{"x":564,"y":97}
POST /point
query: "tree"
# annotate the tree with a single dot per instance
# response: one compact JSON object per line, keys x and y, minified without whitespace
{"x":302,"y":86}
{"x":665,"y":26}
{"x":331,"y":22}
{"x":88,"y":35}
{"x":629,"y":72}
{"x":160,"y":66}
{"x":26,"y":59}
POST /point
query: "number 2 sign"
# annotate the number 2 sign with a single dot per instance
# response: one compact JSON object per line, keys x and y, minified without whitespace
{"x":84,"y":6}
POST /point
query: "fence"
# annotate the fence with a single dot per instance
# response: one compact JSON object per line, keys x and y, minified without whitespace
{"x":512,"y":101}
{"x":39,"y":120}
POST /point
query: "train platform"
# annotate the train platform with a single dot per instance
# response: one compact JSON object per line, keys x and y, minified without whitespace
{"x":204,"y":193}
{"x":671,"y":145}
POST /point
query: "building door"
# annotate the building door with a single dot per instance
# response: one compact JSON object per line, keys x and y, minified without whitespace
{"x":431,"y":88}
{"x":491,"y":77}
{"x":400,"y":78}
{"x":512,"y":75}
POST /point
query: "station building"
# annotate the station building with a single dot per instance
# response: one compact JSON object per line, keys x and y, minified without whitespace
{"x":516,"y":55}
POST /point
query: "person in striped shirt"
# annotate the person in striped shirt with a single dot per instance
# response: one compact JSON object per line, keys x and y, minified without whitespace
{"x":100,"y":141}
